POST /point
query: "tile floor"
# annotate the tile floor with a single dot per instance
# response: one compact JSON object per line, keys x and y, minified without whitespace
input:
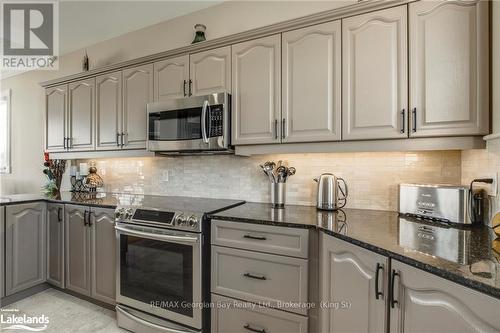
{"x":67,"y":314}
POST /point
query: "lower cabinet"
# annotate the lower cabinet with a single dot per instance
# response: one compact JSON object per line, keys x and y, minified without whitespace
{"x":90,"y":252}
{"x":232,"y":316}
{"x":25,"y":250}
{"x":423,"y":302}
{"x":55,"y":244}
{"x":353,"y":288}
{"x":2,"y":250}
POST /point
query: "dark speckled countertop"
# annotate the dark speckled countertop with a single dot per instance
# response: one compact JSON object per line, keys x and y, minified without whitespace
{"x":474,"y":262}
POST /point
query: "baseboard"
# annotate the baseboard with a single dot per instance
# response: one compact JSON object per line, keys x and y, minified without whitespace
{"x":86,"y":298}
{"x":23,"y":294}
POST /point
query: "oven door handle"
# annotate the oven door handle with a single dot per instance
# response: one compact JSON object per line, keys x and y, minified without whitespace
{"x":160,"y":237}
{"x":204,"y":121}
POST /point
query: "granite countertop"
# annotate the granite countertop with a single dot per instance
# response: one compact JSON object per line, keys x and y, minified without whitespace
{"x":474,"y":262}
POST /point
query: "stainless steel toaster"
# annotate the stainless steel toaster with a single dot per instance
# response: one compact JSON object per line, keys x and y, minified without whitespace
{"x":446,"y":203}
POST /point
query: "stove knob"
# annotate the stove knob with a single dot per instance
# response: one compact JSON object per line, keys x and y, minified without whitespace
{"x":192,"y":222}
{"x":128,"y":214}
{"x":180,"y":220}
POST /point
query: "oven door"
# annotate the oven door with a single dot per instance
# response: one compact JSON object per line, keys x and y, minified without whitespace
{"x":189,"y":124}
{"x":159,"y":272}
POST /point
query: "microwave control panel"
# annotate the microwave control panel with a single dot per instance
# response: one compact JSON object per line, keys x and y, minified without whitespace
{"x":216,"y":121}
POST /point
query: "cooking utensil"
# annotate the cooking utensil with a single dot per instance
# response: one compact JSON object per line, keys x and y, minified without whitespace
{"x":268,"y":170}
{"x":281,"y":172}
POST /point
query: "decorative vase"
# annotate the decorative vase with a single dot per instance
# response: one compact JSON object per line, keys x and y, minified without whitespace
{"x":200,"y":33}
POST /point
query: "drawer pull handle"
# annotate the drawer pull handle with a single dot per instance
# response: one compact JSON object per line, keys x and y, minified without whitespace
{"x":393,"y":279}
{"x":250,"y":328}
{"x":255,"y":237}
{"x":251,"y":276}
{"x":378,"y":293}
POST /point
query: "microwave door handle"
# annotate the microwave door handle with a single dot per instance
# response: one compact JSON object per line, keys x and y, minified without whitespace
{"x":204,"y":121}
{"x":160,"y":237}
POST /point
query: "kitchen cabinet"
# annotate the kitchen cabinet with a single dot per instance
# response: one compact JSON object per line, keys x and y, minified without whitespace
{"x":256,"y":88}
{"x":103,"y":256}
{"x":81,"y":115}
{"x":55,"y":118}
{"x":2,"y":250}
{"x":109,"y":111}
{"x":77,"y":243}
{"x":375,"y":81}
{"x":25,"y":247}
{"x":137,"y":93}
{"x":449,"y":68}
{"x":312,"y":83}
{"x":171,"y":78}
{"x":353,"y":288}
{"x":55,"y":244}
{"x":90,"y":252}
{"x":210,"y":71}
{"x":423,"y":302}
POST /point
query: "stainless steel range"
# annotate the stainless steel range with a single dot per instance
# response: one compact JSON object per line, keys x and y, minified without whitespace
{"x":162,"y":276}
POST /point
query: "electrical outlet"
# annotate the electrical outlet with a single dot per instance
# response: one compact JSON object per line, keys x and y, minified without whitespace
{"x":164,"y":176}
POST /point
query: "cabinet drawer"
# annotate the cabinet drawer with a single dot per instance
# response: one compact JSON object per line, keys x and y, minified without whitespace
{"x":228,"y":316}
{"x":277,"y":240}
{"x":268,"y":279}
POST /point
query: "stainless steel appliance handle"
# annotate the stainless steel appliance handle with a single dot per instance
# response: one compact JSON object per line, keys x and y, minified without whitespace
{"x":147,"y":323}
{"x":204,"y":121}
{"x":160,"y":237}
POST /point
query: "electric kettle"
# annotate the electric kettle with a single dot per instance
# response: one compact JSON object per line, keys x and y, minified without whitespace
{"x":331,"y":195}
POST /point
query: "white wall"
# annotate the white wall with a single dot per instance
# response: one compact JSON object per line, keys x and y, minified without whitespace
{"x":28,"y":97}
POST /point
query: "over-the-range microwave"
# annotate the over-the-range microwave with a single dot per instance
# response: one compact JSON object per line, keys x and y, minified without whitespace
{"x":199,"y":124}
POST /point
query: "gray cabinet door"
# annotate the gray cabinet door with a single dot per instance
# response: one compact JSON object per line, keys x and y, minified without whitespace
{"x":77,"y":252}
{"x":449,"y":68}
{"x":210,"y":71}
{"x":348,"y":287}
{"x":312,"y":83}
{"x":375,"y":75}
{"x":256,"y":87}
{"x":108,"y":111}
{"x":81,"y":115}
{"x":171,"y":78}
{"x":137,"y":93}
{"x":55,"y":122}
{"x":2,"y":250}
{"x":55,"y":244}
{"x":103,"y":254}
{"x":428,"y":303}
{"x":25,"y":261}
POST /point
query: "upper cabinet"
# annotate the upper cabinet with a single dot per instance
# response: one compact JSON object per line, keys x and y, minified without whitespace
{"x":375,"y":81}
{"x":210,"y":71}
{"x":171,"y":78}
{"x":449,"y":68}
{"x":256,"y":86}
{"x":56,"y":113}
{"x":137,"y":93}
{"x":311,"y":84}
{"x":81,"y":115}
{"x":108,"y":111}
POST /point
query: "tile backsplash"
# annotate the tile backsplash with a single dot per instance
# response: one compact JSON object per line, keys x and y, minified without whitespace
{"x":372,"y":178}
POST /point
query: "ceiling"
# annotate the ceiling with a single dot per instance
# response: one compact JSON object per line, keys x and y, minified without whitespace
{"x":83,"y":23}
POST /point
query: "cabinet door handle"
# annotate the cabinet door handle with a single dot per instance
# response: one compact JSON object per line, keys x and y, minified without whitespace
{"x":256,"y":277}
{"x":283,"y":128}
{"x":393,"y":283}
{"x":68,"y":145}
{"x":59,"y":214}
{"x":85,"y":218}
{"x":89,"y":218}
{"x":190,"y":87}
{"x":276,"y":129}
{"x":254,"y":237}
{"x":118,"y":139}
{"x":414,"y":119}
{"x":122,"y":142}
{"x":64,"y":143}
{"x":251,"y":329}
{"x":403,"y":121}
{"x":378,"y":293}
{"x":184,"y":82}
